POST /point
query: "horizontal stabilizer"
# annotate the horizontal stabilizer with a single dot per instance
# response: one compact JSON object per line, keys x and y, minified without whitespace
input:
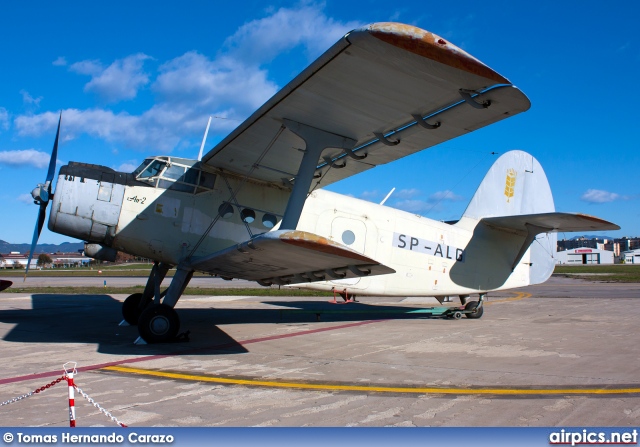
{"x":289,"y":257}
{"x":530,"y":225}
{"x":550,"y":222}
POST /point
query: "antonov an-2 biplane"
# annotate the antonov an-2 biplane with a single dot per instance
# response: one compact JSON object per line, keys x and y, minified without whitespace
{"x":252,"y":207}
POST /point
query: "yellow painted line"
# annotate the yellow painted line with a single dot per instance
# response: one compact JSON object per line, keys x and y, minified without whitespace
{"x":373,"y":388}
{"x":519,"y":296}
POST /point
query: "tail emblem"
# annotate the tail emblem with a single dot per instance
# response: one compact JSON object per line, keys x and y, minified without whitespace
{"x":510,"y":184}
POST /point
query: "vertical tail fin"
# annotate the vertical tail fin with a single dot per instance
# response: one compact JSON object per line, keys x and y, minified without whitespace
{"x":516,"y":184}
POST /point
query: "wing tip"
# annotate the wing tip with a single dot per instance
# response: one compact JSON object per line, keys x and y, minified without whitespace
{"x":427,"y":44}
{"x":599,"y":221}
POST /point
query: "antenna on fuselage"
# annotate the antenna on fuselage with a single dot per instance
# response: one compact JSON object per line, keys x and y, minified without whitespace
{"x":204,"y":139}
{"x":388,"y":195}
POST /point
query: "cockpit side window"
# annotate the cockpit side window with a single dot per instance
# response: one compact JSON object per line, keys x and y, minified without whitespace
{"x":174,"y":172}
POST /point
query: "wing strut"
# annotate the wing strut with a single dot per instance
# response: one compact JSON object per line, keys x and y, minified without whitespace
{"x":316,"y":142}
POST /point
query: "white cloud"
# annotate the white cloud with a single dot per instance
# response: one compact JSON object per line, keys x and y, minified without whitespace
{"x":88,"y":67}
{"x":127,"y":166}
{"x":25,"y":198}
{"x":406,"y":193}
{"x":27,"y":157}
{"x":370,"y":195}
{"x":194,"y":80}
{"x":599,"y":196}
{"x":60,"y":62}
{"x":413,"y":205}
{"x":119,"y":81}
{"x":192,"y":86}
{"x":143,"y":131}
{"x":432,"y":203}
{"x":30,"y":100}
{"x":263,"y":39}
{"x":445,"y":195}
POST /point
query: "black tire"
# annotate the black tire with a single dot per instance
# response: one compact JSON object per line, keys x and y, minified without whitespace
{"x":158,"y":323}
{"x":475,"y":312}
{"x":131,"y":308}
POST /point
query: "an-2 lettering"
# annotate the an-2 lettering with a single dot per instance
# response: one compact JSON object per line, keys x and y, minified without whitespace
{"x":135,"y":199}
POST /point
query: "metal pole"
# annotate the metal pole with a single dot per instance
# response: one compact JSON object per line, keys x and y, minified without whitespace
{"x":70,"y":372}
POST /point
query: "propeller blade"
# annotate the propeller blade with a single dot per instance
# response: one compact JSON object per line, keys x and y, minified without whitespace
{"x":43,"y":197}
{"x":54,"y":156}
{"x":36,"y":234}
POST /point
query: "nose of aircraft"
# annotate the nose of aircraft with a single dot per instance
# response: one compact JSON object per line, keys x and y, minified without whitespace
{"x":41,"y":196}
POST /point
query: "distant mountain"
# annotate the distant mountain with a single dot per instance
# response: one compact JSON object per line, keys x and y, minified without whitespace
{"x":65,"y":247}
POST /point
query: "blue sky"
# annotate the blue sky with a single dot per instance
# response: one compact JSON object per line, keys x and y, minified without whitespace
{"x":140,"y":78}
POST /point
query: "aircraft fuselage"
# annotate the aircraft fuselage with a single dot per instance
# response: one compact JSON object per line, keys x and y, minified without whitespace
{"x":165,"y":220}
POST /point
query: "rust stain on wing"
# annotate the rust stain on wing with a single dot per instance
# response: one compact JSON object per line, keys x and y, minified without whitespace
{"x":318,"y":243}
{"x":432,"y":46}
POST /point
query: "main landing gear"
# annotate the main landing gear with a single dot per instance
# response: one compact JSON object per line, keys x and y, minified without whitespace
{"x":471,"y":309}
{"x":152,"y":311}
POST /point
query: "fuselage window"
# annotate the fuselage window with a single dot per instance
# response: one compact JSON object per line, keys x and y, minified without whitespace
{"x":206,"y":183}
{"x":225,"y":210}
{"x":348,"y":237}
{"x":248,"y":215}
{"x":269,"y":220}
{"x":207,"y":180}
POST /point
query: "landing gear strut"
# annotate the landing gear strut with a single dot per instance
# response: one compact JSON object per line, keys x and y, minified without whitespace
{"x":135,"y":304}
{"x":159,"y":322}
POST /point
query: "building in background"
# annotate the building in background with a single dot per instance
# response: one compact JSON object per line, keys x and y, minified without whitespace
{"x":16,"y":260}
{"x":579,"y":256}
{"x":625,"y":244}
{"x":631,"y":256}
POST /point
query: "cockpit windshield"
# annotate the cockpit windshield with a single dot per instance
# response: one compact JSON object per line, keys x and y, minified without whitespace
{"x":176,"y":174}
{"x":140,"y":168}
{"x":153,"y":170}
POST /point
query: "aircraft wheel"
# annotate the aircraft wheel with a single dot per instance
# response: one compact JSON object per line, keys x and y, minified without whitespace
{"x":476,"y":312}
{"x":131,"y":308}
{"x":158,"y":323}
{"x":456,"y":315}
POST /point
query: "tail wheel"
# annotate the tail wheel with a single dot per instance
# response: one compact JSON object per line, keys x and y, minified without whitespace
{"x":158,"y":323}
{"x":132,"y":308}
{"x":473,"y":311}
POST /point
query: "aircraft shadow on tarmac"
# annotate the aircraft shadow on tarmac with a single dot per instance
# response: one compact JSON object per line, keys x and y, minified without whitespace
{"x":95,"y":318}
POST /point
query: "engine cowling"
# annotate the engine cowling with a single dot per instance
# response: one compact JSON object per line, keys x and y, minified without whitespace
{"x":87,"y":202}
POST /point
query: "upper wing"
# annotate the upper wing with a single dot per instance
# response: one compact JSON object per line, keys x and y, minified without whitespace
{"x":286,"y":257}
{"x":373,"y":86}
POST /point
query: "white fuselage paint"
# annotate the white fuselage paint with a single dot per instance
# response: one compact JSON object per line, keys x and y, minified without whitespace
{"x":165,"y":225}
